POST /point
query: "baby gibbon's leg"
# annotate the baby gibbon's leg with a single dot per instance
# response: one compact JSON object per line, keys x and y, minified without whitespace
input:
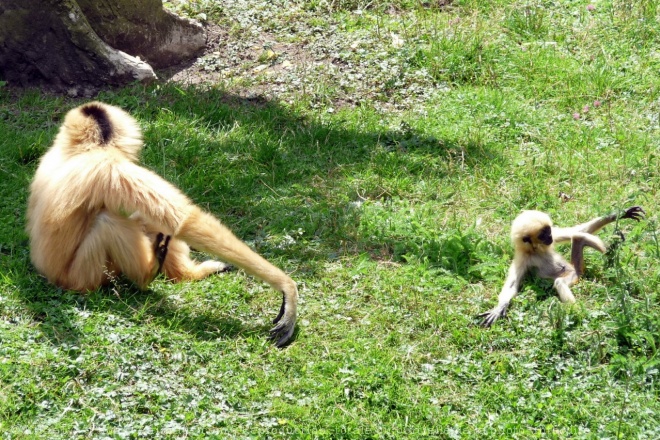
{"x":578,"y":243}
{"x":573,"y":272}
{"x":116,"y":244}
{"x":204,"y":232}
{"x":563,"y":286}
{"x":179,"y":266}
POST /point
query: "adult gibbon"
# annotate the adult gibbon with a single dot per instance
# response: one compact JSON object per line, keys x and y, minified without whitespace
{"x":95,"y":213}
{"x":533,"y":237}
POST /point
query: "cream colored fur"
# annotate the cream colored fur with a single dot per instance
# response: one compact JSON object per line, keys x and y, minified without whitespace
{"x":533,"y":237}
{"x":94,"y":212}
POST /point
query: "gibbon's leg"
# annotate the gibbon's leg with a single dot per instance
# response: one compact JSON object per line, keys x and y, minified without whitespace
{"x":578,"y":242}
{"x":509,"y":290}
{"x":115,"y":244}
{"x":563,"y":286}
{"x":575,"y":270}
{"x":204,"y":232}
{"x":593,"y":226}
{"x":571,"y":273}
{"x":179,"y":266}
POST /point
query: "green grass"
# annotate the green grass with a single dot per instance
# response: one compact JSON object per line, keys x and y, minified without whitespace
{"x":393,"y":220}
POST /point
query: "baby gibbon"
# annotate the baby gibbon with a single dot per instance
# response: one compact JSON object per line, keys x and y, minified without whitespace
{"x":94,"y":213}
{"x":533,"y":237}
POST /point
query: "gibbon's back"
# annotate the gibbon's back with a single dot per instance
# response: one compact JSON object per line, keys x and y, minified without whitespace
{"x":68,"y":187}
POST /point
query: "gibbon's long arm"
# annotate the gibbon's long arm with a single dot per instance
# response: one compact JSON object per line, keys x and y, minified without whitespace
{"x":595,"y":225}
{"x":517,"y":271}
{"x":135,"y":189}
{"x":204,"y":232}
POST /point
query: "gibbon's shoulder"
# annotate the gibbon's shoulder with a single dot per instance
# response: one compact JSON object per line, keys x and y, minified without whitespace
{"x":529,"y":222}
{"x":98,"y":125}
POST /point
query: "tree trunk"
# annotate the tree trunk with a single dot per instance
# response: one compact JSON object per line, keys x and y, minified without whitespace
{"x":78,"y":46}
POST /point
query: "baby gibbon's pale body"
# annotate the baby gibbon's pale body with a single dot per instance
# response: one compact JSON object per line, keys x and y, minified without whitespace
{"x":533,"y":237}
{"x":94,"y":213}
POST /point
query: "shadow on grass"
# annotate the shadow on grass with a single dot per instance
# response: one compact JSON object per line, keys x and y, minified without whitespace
{"x":281,"y":172}
{"x":57,"y":312}
{"x":286,"y":172}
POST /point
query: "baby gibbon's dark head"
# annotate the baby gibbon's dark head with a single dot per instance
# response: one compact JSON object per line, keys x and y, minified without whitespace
{"x":531,"y":232}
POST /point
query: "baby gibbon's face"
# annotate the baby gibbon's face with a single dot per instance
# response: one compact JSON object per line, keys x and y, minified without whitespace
{"x":531,"y":231}
{"x":543,"y":236}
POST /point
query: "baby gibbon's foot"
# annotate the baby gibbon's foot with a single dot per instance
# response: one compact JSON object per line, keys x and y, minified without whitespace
{"x":283,"y":331}
{"x":635,"y":213}
{"x":489,"y":317}
{"x":161,"y":246}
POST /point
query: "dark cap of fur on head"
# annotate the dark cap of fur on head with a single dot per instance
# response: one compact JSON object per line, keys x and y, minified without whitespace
{"x":100,"y":115}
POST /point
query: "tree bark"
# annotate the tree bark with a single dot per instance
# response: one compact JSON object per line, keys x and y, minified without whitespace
{"x":145,"y":29}
{"x":80,"y":46}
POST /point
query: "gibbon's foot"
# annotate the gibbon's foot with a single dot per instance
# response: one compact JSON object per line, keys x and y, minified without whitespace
{"x":489,"y":317}
{"x":161,"y":246}
{"x":283,"y":331}
{"x":635,"y":213}
{"x":224,"y":267}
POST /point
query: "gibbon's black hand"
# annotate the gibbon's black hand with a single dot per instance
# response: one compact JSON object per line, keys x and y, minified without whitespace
{"x":161,"y":246}
{"x":283,"y":331}
{"x":635,"y":213}
{"x":489,"y":317}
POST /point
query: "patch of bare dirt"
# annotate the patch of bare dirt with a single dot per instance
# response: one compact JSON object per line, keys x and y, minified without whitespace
{"x":291,"y":54}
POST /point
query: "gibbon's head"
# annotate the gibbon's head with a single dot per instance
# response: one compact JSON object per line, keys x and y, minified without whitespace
{"x":98,"y":125}
{"x":531,"y":232}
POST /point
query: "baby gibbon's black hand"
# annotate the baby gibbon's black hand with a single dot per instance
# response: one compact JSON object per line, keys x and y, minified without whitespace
{"x":489,"y":317}
{"x":635,"y":213}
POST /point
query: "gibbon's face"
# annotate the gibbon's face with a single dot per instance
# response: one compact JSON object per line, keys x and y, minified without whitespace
{"x":531,"y":231}
{"x":543,"y":236}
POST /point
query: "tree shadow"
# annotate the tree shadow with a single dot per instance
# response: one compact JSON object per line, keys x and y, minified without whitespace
{"x":237,"y":177}
{"x":294,"y":169}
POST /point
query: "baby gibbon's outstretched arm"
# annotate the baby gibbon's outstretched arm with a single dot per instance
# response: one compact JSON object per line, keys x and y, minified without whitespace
{"x":533,"y":236}
{"x":94,"y":213}
{"x":595,"y":225}
{"x":517,"y":271}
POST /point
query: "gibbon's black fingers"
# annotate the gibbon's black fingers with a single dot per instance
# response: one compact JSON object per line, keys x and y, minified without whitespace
{"x":282,"y":332}
{"x":489,"y":317}
{"x":634,"y":212}
{"x":282,"y":308}
{"x":161,"y":246}
{"x":285,"y":320}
